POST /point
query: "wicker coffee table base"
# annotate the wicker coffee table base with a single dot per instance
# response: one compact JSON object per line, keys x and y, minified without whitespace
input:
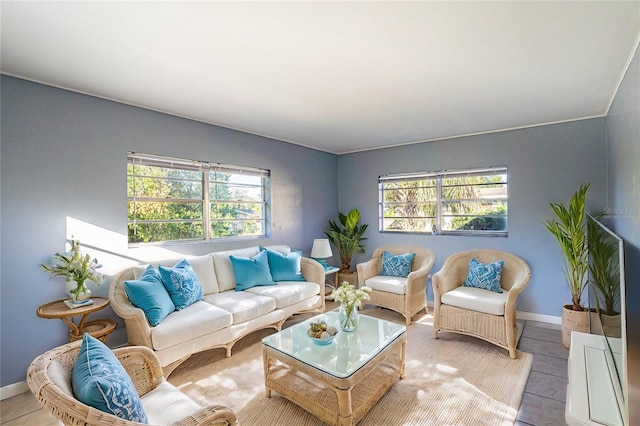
{"x":334,"y":400}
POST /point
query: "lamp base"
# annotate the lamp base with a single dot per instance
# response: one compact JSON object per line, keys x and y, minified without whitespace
{"x":322,"y":262}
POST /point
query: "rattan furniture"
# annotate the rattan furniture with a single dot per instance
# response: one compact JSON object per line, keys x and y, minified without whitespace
{"x":340,"y":382}
{"x":407,"y":296}
{"x":100,"y":329}
{"x":499,"y":329}
{"x":49,"y":378}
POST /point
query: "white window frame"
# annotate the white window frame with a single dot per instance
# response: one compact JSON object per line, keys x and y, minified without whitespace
{"x":208,"y":172}
{"x":440,"y":216}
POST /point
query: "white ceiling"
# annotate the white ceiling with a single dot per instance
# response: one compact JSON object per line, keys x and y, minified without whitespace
{"x":336,"y":76}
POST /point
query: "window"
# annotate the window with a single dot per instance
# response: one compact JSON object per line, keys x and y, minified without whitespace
{"x":172,"y":199}
{"x":470,"y":202}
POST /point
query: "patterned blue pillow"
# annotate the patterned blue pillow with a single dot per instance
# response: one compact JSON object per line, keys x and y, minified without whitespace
{"x":182,"y":284}
{"x":149,"y":294}
{"x":396,"y":265}
{"x":251,"y":272}
{"x":285,"y":267}
{"x":100,"y":381}
{"x":484,"y":276}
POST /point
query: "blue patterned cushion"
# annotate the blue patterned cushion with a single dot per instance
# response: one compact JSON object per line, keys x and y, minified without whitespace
{"x":396,"y":265}
{"x":100,"y":381}
{"x":484,"y":276}
{"x":251,"y":272}
{"x":285,"y":267}
{"x":149,"y":294}
{"x":182,"y":284}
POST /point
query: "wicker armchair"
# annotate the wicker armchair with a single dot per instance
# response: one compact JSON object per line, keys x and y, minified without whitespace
{"x":49,"y":378}
{"x":492,"y":316}
{"x":408,"y":296}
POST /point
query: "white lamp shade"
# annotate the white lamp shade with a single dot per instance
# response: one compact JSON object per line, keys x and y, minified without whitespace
{"x":321,"y":249}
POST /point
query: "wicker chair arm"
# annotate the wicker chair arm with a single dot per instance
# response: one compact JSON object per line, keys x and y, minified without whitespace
{"x":138,"y":328}
{"x":447,"y":278}
{"x":211,"y":415}
{"x":368,"y":269}
{"x":143,"y":367}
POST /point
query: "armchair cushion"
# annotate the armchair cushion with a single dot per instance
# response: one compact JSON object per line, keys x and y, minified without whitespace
{"x":396,"y":285}
{"x":99,"y":380}
{"x":485,"y":276}
{"x":149,"y":294}
{"x":182,"y":283}
{"x":397,"y":265}
{"x":166,"y":405}
{"x":477,"y":299}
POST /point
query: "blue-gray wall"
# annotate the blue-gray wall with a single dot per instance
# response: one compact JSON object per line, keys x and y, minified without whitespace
{"x":623,"y":188}
{"x":64,"y":156}
{"x":545,"y":164}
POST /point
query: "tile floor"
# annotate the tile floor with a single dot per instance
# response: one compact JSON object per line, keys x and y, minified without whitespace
{"x":543,"y":401}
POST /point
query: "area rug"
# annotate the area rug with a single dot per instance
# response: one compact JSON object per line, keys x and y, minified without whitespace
{"x":453,"y":380}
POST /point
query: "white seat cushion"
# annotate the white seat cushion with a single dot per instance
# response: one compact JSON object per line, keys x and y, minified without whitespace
{"x":242,"y":305}
{"x":477,"y":299}
{"x":396,"y":285}
{"x":287,"y":293}
{"x":196,"y":320}
{"x":166,"y":404}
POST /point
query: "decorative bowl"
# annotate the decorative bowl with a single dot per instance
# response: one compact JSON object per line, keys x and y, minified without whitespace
{"x":322,"y":341}
{"x":321,"y":333}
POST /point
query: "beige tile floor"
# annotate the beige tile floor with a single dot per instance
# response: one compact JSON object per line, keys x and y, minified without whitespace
{"x":543,"y":401}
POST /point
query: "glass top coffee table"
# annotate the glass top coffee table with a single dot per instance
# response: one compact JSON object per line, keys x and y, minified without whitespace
{"x":339,"y":382}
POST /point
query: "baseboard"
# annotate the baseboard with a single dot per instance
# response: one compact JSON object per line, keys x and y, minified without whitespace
{"x":13,"y":390}
{"x":530,"y":316}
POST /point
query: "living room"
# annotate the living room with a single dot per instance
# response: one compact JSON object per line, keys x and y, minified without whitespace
{"x":64,"y":157}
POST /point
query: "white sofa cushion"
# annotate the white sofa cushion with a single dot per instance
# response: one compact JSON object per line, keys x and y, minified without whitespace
{"x":477,"y":299}
{"x":202,"y":266}
{"x":199,"y":319}
{"x":166,"y":405}
{"x":242,"y":305}
{"x":224,"y":269}
{"x":287,"y":293}
{"x":396,"y":285}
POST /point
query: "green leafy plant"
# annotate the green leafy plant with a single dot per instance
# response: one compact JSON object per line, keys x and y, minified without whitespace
{"x":569,"y":231}
{"x":348,"y":239}
{"x":604,"y":268}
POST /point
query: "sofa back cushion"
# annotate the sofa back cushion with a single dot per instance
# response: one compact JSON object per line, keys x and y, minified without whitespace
{"x":224,"y":269}
{"x":202,"y":266}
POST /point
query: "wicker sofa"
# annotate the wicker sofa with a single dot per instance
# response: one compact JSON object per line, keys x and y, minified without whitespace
{"x":224,"y":315}
{"x":49,"y":378}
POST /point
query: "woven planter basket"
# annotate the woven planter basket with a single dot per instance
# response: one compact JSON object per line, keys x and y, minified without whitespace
{"x":573,"y":321}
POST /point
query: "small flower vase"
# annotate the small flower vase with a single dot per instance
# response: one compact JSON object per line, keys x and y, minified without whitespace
{"x":348,"y":317}
{"x":77,"y":292}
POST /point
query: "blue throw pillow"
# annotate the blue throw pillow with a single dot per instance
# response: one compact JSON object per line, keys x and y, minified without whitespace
{"x":396,"y":265}
{"x":148,"y":293}
{"x":182,"y":284}
{"x":251,"y":272}
{"x":285,"y":267}
{"x":484,"y":276}
{"x":100,"y":381}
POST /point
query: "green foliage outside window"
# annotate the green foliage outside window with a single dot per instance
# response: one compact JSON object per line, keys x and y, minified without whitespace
{"x":168,"y":204}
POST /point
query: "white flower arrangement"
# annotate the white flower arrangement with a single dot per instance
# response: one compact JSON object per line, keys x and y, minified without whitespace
{"x":351,"y":297}
{"x":75,"y":267}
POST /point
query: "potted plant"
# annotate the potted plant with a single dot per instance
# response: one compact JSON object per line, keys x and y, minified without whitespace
{"x":348,"y":238}
{"x":569,"y":230}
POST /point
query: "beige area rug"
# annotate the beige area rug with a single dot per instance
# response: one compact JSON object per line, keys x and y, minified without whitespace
{"x":454,"y":380}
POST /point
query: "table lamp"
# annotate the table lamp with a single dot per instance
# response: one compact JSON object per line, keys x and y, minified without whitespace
{"x":320,"y":251}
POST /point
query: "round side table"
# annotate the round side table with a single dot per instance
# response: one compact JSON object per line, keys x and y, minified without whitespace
{"x":99,"y":329}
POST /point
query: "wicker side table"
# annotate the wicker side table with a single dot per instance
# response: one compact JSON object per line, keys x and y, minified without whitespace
{"x":99,"y":329}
